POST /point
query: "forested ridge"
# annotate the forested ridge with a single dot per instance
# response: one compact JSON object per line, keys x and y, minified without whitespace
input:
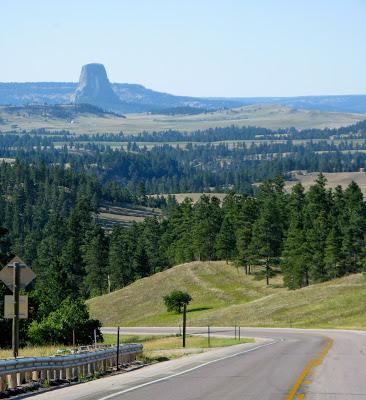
{"x":212,"y":160}
{"x":50,"y":218}
{"x":50,"y":198}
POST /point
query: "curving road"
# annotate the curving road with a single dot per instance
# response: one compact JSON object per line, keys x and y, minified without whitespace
{"x":283,"y":364}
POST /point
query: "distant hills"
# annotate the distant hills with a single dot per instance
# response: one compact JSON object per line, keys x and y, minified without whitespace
{"x":94,"y":88}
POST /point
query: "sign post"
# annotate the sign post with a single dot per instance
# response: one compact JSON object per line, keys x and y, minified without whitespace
{"x":15,"y":330}
{"x":16,"y":275}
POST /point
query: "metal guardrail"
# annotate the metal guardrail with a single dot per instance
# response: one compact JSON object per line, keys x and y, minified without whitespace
{"x":15,"y":372}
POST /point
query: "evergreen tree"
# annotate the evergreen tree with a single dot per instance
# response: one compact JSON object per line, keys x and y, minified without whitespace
{"x":95,"y":253}
{"x":225,"y":240}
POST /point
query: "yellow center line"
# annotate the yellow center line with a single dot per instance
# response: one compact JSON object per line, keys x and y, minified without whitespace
{"x":307,"y":371}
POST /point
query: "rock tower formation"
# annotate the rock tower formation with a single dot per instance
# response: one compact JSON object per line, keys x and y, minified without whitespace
{"x":94,"y":88}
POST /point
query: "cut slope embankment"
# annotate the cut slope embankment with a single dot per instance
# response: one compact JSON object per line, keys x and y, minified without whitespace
{"x":223,"y":295}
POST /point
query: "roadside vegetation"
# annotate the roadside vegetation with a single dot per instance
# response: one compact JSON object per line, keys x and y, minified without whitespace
{"x":157,"y":348}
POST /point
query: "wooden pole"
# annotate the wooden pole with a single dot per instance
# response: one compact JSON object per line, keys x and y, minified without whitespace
{"x":15,"y":327}
{"x":184,"y":324}
{"x":118,"y":349}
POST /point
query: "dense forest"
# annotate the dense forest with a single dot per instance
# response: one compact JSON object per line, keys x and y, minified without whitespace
{"x":217,"y":160}
{"x":52,"y":188}
{"x":49,"y":218}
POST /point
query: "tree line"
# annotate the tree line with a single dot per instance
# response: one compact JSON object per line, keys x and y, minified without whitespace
{"x":49,"y":217}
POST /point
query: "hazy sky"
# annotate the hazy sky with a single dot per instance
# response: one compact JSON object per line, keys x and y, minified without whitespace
{"x":191,"y":47}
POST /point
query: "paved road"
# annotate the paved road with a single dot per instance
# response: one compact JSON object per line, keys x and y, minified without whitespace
{"x":283,"y":364}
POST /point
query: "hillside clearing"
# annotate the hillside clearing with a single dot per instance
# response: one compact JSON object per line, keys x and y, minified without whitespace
{"x":333,"y":179}
{"x":110,"y":215}
{"x":223,"y":295}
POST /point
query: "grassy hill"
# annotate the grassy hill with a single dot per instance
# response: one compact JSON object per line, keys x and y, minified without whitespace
{"x":223,"y":295}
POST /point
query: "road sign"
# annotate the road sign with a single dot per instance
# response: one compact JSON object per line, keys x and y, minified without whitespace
{"x":26,"y":275}
{"x":9,"y":307}
{"x":16,"y":275}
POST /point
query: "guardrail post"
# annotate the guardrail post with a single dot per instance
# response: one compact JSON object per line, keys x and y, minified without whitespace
{"x":90,"y":369}
{"x":3,"y":383}
{"x":62,"y":374}
{"x":49,"y":374}
{"x":20,"y":378}
{"x":84,"y":369}
{"x":12,"y":381}
{"x":43,"y":374}
{"x":28,"y":376}
{"x":68,"y":374}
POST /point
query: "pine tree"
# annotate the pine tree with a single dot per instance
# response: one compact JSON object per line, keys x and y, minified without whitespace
{"x":225,"y":240}
{"x":94,"y":253}
{"x":267,"y":236}
{"x":293,"y":262}
{"x":206,"y":225}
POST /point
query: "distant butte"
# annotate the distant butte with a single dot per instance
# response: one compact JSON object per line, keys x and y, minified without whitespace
{"x":94,"y":88}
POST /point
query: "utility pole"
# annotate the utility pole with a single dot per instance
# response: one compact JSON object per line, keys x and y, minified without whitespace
{"x":184,"y":324}
{"x":15,"y":327}
{"x":117,"y":361}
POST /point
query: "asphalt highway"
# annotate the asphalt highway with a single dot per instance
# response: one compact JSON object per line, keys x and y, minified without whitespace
{"x":283,"y":364}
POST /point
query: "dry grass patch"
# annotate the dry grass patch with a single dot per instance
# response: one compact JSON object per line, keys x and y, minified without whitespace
{"x":31,"y":351}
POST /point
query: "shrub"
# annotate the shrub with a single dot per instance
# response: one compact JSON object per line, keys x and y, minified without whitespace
{"x":58,"y":326}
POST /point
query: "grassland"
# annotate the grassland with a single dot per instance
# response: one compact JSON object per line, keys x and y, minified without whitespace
{"x":223,"y":295}
{"x":269,"y":116}
{"x":333,"y":179}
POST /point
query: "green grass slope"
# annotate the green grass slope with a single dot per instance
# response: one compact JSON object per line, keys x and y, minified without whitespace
{"x":213,"y":286}
{"x":223,"y":295}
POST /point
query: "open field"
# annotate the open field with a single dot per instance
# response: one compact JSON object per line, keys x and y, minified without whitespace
{"x":333,"y":179}
{"x":224,"y":296}
{"x":269,"y":116}
{"x":111,"y":215}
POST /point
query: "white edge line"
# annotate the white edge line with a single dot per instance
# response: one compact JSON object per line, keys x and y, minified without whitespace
{"x":110,"y":396}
